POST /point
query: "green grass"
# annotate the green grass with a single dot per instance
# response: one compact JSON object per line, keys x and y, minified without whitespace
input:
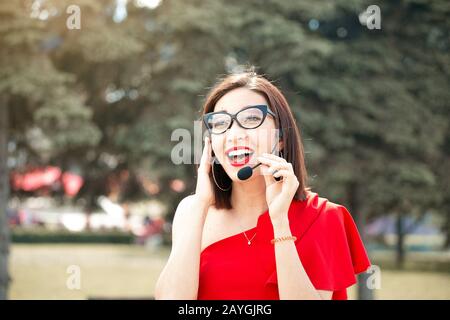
{"x":39,"y":271}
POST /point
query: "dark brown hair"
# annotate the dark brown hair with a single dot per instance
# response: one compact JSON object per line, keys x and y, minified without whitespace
{"x":285,"y":122}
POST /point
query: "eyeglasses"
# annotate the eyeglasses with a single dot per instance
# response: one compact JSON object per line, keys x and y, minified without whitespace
{"x":250,"y":117}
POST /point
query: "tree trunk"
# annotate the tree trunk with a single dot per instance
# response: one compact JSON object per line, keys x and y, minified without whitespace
{"x":364,"y":293}
{"x":4,"y":195}
{"x":446,"y":208}
{"x":400,"y":256}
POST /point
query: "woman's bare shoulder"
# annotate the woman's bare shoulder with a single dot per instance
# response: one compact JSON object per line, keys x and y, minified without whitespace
{"x":186,"y":201}
{"x":183,"y":208}
{"x":183,"y":214}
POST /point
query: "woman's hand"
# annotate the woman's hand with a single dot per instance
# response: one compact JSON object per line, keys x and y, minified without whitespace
{"x":204,"y":191}
{"x":279,"y":194}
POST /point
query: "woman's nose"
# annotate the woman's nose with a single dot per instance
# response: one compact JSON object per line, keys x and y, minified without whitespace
{"x":236,"y":138}
{"x":236,"y":133}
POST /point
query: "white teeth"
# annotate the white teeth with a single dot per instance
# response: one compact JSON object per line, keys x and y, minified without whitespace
{"x":238,"y":153}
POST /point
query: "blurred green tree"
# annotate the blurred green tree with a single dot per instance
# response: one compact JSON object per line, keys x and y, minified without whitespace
{"x":36,"y":100}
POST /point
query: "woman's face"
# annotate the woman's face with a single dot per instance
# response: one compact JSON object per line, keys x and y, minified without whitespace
{"x":238,"y":147}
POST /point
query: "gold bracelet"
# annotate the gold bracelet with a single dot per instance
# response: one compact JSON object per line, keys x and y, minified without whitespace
{"x":294,"y":238}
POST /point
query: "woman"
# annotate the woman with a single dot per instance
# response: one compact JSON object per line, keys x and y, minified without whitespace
{"x":266,"y":237}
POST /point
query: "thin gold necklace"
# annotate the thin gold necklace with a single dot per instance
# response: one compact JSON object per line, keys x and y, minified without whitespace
{"x":249,"y":241}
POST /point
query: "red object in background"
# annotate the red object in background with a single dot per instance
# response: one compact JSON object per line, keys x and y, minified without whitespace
{"x":38,"y":178}
{"x":72,"y":183}
{"x":328,"y":245}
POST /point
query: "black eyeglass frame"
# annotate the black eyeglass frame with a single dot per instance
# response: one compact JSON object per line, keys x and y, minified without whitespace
{"x":264,"y":109}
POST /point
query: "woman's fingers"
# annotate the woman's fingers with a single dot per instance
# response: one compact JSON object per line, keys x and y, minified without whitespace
{"x":205,"y":161}
{"x":277,"y":168}
{"x":274,"y":164}
{"x":282,"y":173}
{"x":268,"y":162}
{"x":273,"y":157}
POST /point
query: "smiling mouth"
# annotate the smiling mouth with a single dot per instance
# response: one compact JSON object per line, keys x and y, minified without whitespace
{"x":239,"y":157}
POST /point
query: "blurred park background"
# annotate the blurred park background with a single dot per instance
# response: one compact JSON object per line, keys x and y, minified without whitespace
{"x":91,"y":91}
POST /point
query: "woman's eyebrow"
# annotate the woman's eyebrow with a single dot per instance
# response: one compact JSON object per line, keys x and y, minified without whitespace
{"x":243,"y":107}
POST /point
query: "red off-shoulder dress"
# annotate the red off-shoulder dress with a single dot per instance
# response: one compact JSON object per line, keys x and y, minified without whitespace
{"x":328,"y":244}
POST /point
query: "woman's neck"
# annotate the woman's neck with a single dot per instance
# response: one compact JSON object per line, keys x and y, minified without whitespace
{"x":249,"y":198}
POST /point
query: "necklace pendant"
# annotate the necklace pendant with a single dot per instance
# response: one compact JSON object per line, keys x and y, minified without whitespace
{"x":249,"y":242}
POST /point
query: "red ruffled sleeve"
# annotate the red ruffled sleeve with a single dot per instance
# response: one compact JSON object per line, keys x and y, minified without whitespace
{"x":329,"y":245}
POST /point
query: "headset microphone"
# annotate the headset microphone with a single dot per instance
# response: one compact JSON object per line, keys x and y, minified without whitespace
{"x":247,"y":171}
